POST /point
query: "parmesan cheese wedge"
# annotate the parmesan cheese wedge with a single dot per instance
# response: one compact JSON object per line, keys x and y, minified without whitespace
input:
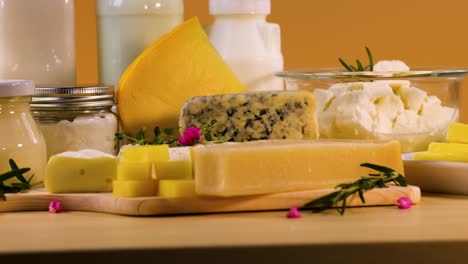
{"x":261,"y":167}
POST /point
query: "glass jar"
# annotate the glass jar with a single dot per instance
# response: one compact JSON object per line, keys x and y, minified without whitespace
{"x":20,"y":138}
{"x":37,"y":41}
{"x":127,"y":27}
{"x":76,"y":118}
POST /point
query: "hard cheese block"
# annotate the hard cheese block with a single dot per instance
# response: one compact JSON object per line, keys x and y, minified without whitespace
{"x":260,"y":167}
{"x":457,"y":133}
{"x":253,"y":116}
{"x":80,"y":172}
{"x":180,"y":65}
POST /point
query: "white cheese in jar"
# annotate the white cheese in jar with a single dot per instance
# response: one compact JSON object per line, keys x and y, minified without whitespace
{"x":75,"y":118}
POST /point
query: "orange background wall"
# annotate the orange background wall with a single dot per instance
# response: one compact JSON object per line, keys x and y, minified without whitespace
{"x":316,"y":32}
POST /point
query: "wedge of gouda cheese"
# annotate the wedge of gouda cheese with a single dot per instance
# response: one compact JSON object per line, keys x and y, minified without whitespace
{"x":261,"y":167}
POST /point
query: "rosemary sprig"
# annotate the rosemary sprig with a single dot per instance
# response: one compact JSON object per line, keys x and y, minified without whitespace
{"x":15,"y":187}
{"x":374,"y":180}
{"x":359,"y":66}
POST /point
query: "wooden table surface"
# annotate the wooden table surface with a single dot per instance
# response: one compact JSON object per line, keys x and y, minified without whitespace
{"x":438,"y":225}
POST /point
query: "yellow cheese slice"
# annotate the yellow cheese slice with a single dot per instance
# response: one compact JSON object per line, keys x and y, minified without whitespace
{"x":134,"y":170}
{"x":448,"y":147}
{"x":176,"y":188}
{"x":180,"y":65}
{"x":71,"y":172}
{"x":147,"y":153}
{"x":135,"y":188}
{"x":457,"y":133}
{"x":260,"y":167}
{"x":442,"y":156}
{"x":174,"y":169}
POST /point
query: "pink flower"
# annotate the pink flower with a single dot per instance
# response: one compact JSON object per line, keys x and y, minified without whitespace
{"x":55,"y":206}
{"x":293,"y":213}
{"x":191,"y":136}
{"x":404,"y":202}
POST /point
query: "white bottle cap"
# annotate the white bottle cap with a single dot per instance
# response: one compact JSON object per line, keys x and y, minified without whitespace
{"x":11,"y":88}
{"x":224,"y":7}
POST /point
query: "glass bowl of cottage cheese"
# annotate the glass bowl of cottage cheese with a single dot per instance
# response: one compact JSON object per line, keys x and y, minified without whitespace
{"x":390,"y":102}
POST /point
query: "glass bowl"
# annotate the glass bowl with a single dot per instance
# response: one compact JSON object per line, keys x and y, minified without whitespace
{"x":414,"y":107}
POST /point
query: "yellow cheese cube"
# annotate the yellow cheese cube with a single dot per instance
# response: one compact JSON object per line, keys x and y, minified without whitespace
{"x":260,"y":167}
{"x":134,"y":170}
{"x":457,"y":133}
{"x":135,"y":188}
{"x":442,"y":156}
{"x":80,"y":172}
{"x":448,"y":147}
{"x":145,"y":153}
{"x":176,"y":188}
{"x":174,"y":169}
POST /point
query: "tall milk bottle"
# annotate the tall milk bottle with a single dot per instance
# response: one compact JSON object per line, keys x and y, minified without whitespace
{"x":127,"y":27}
{"x":247,"y":42}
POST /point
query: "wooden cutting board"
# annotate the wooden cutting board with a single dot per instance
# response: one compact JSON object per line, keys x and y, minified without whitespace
{"x":38,"y":200}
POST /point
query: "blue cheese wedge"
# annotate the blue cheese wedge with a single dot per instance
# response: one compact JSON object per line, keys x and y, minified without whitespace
{"x":253,"y":116}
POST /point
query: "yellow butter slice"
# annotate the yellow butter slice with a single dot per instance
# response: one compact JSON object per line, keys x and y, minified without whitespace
{"x":176,"y":188}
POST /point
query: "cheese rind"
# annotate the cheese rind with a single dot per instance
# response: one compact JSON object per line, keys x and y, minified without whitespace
{"x":253,"y":116}
{"x":261,"y":167}
{"x":66,"y":174}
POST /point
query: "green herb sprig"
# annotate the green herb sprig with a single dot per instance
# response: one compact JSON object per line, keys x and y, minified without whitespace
{"x":15,"y":187}
{"x":378,"y":180}
{"x":359,"y":66}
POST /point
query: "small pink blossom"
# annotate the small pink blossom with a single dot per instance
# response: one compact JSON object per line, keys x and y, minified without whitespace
{"x":191,"y":136}
{"x":404,"y":202}
{"x":55,"y":206}
{"x":293,"y":213}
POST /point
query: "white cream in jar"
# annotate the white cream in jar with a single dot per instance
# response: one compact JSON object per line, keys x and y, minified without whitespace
{"x":76,"y":118}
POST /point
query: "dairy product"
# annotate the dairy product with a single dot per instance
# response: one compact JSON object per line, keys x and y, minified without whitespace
{"x":174,"y":169}
{"x":180,"y":65}
{"x":390,"y":65}
{"x":259,"y":167}
{"x":37,"y":41}
{"x":176,"y":188}
{"x":85,"y":131}
{"x":253,"y":116}
{"x":131,"y":188}
{"x":383,"y":110}
{"x":20,"y":138}
{"x":134,"y":170}
{"x":247,"y":42}
{"x":80,"y":172}
{"x":147,"y":153}
{"x":457,"y":133}
{"x":127,"y":27}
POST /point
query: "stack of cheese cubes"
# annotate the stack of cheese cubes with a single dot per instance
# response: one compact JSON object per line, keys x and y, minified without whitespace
{"x":456,"y":148}
{"x":149,"y":171}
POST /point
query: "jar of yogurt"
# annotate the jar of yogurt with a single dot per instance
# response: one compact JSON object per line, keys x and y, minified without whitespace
{"x":75,"y":118}
{"x":20,"y":138}
{"x":127,"y":27}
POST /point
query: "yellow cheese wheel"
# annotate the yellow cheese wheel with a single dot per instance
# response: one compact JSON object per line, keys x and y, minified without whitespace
{"x":180,"y":65}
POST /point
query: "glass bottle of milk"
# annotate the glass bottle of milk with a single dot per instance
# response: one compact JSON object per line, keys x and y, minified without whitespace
{"x":247,"y":42}
{"x":37,"y":41}
{"x":127,"y":27}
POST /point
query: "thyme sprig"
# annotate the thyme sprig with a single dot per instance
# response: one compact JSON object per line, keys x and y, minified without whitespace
{"x":168,"y":136}
{"x":15,"y":187}
{"x":384,"y":176}
{"x":359,"y":66}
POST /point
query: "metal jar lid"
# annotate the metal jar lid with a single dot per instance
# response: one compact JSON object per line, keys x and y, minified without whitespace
{"x":83,"y":97}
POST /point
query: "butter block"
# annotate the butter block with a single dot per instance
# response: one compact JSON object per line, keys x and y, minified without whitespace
{"x":147,"y":153}
{"x":457,"y":133}
{"x":134,"y":170}
{"x":442,"y":156}
{"x":80,"y":172}
{"x":176,"y":188}
{"x":135,"y":188}
{"x":174,"y":169}
{"x":261,"y":167}
{"x":254,"y":116}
